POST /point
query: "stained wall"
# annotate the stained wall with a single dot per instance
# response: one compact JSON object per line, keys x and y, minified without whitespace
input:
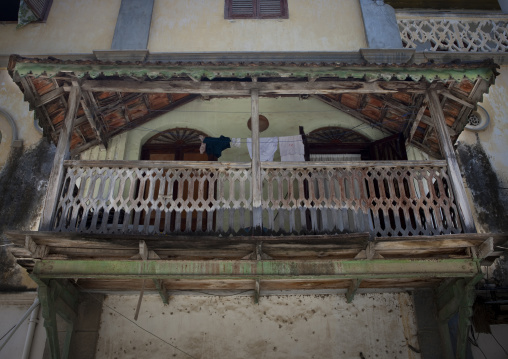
{"x":484,"y":160}
{"x":199,"y":26}
{"x":281,"y":326}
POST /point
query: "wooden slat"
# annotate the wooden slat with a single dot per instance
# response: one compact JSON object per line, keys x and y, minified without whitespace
{"x":256,"y":190}
{"x":62,"y":153}
{"x":453,"y":166}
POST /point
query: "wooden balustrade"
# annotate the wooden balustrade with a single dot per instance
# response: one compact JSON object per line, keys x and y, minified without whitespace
{"x":383,"y":198}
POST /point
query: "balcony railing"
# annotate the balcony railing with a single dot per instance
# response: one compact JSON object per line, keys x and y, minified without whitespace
{"x":383,"y":198}
{"x":447,"y":32}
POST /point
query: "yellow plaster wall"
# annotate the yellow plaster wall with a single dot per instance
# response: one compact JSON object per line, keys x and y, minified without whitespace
{"x":494,"y":139}
{"x":229,"y":117}
{"x":73,"y":26}
{"x":198,"y":25}
{"x":11,"y":101}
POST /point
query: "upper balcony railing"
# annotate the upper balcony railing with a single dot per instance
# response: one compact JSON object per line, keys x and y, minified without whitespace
{"x":449,"y":32}
{"x":383,"y":198}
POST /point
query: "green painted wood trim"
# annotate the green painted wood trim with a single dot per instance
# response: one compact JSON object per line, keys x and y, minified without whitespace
{"x":210,"y":72}
{"x":264,"y":269}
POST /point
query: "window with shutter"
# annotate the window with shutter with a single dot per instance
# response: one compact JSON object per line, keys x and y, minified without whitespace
{"x":256,"y":9}
{"x":40,"y":8}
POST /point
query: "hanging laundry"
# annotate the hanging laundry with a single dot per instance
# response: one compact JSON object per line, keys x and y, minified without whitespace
{"x":215,"y":146}
{"x":202,"y":148}
{"x":235,"y":142}
{"x":291,"y":149}
{"x":267,"y":148}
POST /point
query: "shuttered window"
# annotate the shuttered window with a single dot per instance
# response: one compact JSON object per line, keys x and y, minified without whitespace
{"x":40,"y":8}
{"x":256,"y":9}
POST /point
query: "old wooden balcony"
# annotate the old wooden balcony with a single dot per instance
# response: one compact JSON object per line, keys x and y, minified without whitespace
{"x":402,"y":198}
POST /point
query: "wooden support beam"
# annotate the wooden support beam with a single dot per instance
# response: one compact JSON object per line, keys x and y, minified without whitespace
{"x":91,"y":115}
{"x":486,"y":248}
{"x":447,"y":94}
{"x":452,"y":297}
{"x":143,"y":252}
{"x":359,"y":116}
{"x":62,"y":154}
{"x":256,"y":189}
{"x":50,"y":96}
{"x":263,"y":269}
{"x":38,"y":251}
{"x":235,"y":88}
{"x":46,"y":298}
{"x":257,"y":292}
{"x":414,"y":121}
{"x":453,"y":166}
{"x":352,"y":289}
{"x":39,"y":111}
{"x":57,"y":298}
{"x":159,"y":284}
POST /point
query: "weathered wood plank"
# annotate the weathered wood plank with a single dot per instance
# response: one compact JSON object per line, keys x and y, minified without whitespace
{"x":245,"y":88}
{"x":256,"y":182}
{"x":62,"y":154}
{"x":453,"y":166}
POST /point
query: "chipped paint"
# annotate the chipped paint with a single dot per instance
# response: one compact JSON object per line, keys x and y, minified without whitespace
{"x":11,"y":101}
{"x":281,"y":326}
{"x":485,"y":152}
{"x":72,"y":27}
{"x":199,"y":26}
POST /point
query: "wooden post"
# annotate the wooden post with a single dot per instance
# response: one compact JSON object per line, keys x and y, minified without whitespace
{"x":445,"y":143}
{"x":62,"y":154}
{"x":256,"y":165}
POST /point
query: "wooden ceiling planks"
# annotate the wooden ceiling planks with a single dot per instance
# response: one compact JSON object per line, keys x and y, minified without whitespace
{"x":117,"y":112}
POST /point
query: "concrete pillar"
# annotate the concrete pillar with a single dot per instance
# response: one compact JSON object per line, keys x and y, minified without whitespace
{"x":504,"y":5}
{"x":133,"y":25}
{"x":380,"y":25}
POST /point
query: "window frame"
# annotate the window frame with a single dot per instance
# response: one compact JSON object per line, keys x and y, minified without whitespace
{"x":228,"y":7}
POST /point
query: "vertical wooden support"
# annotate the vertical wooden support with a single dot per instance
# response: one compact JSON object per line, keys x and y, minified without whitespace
{"x":256,"y":165}
{"x":456,"y":297}
{"x":453,"y":167}
{"x":353,"y":288}
{"x":465,"y":314}
{"x":159,"y":284}
{"x":257,"y":292}
{"x":57,"y":298}
{"x":62,"y":154}
{"x":46,"y":297}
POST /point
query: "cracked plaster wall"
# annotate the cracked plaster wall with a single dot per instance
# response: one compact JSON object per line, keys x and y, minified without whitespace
{"x":484,"y":162}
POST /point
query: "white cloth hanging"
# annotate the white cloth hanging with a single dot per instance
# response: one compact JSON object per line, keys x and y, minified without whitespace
{"x":291,"y":149}
{"x":235,"y":142}
{"x":267,"y":148}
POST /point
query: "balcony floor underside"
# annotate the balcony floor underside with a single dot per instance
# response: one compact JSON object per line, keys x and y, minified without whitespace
{"x":108,"y":263}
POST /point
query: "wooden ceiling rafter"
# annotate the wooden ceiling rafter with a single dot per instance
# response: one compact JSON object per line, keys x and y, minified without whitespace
{"x":112,"y":106}
{"x":359,"y":116}
{"x":137,"y":122}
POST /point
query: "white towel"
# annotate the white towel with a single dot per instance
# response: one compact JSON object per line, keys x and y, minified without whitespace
{"x":291,"y":149}
{"x":267,"y":148}
{"x":235,"y":142}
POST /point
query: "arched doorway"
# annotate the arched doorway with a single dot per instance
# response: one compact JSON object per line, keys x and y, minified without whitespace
{"x":178,"y":144}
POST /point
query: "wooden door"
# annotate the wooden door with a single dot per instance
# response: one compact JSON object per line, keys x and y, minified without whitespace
{"x":182,"y":147}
